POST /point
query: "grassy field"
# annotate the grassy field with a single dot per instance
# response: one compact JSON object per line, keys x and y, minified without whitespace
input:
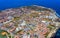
{"x":1,"y":36}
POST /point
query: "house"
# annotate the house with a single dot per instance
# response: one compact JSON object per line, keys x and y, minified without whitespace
{"x":16,"y":36}
{"x":1,"y":24}
{"x":26,"y":36}
{"x":23,"y":23}
{"x":18,"y":28}
{"x":9,"y":17}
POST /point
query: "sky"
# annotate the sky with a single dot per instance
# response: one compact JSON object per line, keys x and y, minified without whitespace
{"x":54,"y":4}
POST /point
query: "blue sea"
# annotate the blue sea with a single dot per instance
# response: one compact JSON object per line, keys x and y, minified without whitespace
{"x":54,"y":4}
{"x":57,"y":34}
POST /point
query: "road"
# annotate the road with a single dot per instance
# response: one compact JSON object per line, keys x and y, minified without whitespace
{"x":52,"y":31}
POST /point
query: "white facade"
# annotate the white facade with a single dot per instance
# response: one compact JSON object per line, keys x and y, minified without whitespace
{"x":23,"y":23}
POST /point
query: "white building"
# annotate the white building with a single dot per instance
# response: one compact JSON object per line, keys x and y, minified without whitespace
{"x":23,"y":23}
{"x":26,"y":36}
{"x":1,"y":24}
{"x":18,"y":28}
{"x":9,"y":19}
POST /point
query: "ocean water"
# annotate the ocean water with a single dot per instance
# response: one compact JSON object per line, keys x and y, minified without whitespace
{"x":57,"y":34}
{"x":54,"y":4}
